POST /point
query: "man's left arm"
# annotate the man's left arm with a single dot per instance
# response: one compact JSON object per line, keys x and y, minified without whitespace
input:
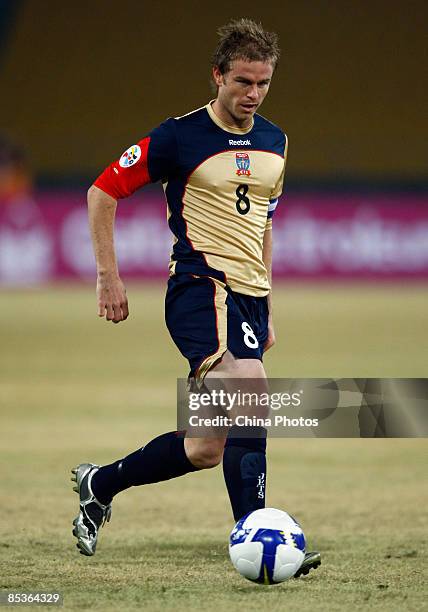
{"x":267,"y":260}
{"x":267,"y":244}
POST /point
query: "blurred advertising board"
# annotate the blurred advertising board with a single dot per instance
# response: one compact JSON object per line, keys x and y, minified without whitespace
{"x":46,"y":238}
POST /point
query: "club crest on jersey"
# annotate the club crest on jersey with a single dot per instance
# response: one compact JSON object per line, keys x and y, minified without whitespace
{"x":130,"y":157}
{"x":243,"y":164}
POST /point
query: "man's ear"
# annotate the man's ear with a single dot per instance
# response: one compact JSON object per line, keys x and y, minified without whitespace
{"x":217,"y":76}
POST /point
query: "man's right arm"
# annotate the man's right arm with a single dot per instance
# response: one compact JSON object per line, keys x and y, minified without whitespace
{"x":111,"y":294}
{"x":153,"y":158}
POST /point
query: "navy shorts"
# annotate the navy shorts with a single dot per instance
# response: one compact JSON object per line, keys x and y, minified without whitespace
{"x":205,"y":318}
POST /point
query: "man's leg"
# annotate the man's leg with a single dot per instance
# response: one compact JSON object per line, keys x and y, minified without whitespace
{"x":170,"y":455}
{"x":163,"y":458}
{"x":244,"y":469}
{"x":244,"y":458}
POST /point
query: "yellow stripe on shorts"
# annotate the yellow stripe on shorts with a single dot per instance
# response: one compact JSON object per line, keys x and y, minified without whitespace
{"x":220,"y":296}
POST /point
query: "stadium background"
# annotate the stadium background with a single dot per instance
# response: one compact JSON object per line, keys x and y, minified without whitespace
{"x":82,"y":81}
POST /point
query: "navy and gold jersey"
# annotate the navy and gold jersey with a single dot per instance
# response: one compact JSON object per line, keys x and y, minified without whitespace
{"x":221,"y":184}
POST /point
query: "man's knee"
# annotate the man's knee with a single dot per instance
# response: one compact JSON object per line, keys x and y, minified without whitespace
{"x":231,"y":367}
{"x":204,"y":454}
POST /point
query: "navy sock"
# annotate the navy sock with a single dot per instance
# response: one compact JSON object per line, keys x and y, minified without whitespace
{"x":244,"y":469}
{"x":161,"y":459}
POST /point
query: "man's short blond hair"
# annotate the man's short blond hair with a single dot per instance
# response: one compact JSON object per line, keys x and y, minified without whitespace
{"x":245,"y":39}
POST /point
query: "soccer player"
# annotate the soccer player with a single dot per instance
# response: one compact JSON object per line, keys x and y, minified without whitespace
{"x":222,"y":169}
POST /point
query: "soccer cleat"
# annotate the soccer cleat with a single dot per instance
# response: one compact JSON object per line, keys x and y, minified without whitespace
{"x":92,"y":514}
{"x":312,"y":560}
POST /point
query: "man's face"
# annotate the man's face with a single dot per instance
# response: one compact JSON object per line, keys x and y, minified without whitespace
{"x":242,"y":90}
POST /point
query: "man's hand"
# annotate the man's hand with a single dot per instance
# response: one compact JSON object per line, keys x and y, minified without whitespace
{"x":271,"y":336}
{"x":112,"y":300}
{"x":111,"y":294}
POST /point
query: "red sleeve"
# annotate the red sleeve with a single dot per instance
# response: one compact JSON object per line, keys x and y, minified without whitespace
{"x":128,"y":173}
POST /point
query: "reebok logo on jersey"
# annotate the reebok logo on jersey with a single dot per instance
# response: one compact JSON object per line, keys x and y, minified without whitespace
{"x":239,"y":143}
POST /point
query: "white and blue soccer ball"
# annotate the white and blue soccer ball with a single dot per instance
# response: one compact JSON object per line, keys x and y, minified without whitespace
{"x":267,"y":546}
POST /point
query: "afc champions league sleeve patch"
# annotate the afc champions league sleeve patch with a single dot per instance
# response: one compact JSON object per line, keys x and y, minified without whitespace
{"x":130,"y":157}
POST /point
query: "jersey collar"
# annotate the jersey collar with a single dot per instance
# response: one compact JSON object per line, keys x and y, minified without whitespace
{"x":224,"y":126}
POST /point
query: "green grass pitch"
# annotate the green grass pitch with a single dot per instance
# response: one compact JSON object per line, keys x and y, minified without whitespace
{"x":75,"y":388}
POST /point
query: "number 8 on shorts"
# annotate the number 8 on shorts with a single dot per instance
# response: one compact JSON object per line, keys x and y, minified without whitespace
{"x":249,"y":336}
